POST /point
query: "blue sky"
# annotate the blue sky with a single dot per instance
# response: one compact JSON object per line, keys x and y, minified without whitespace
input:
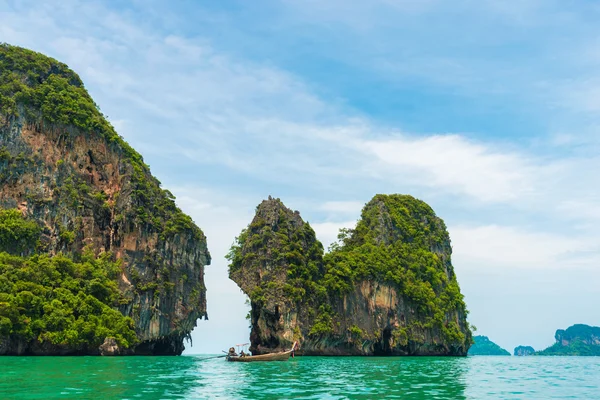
{"x":489,"y":111}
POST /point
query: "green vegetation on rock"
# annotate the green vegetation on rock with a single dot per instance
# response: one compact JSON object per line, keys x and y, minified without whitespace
{"x":41,"y":90}
{"x":86,"y":192}
{"x":483,"y":346}
{"x":294,"y":251}
{"x":577,"y":340}
{"x":399,"y":240}
{"x":17,"y":235}
{"x":398,"y":243}
{"x":577,"y":347}
{"x":55,"y":300}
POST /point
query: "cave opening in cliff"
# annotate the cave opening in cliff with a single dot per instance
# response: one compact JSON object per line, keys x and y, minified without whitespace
{"x":382,"y":347}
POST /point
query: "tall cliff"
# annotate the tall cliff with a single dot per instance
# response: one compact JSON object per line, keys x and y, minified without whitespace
{"x":63,"y":166}
{"x":387,"y":288}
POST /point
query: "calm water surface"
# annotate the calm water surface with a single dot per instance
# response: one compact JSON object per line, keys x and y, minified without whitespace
{"x":191,"y":377}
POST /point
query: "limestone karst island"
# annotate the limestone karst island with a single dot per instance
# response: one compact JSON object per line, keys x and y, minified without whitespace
{"x":95,"y":257}
{"x":388,"y":288}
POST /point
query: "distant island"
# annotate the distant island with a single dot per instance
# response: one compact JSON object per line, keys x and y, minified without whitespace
{"x":576,"y":340}
{"x":524,"y":351}
{"x":483,"y":346}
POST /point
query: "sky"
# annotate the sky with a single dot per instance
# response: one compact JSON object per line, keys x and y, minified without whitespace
{"x":487,"y":110}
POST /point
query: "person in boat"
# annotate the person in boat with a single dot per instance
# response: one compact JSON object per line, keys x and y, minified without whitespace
{"x":232,"y":352}
{"x":242,"y":354}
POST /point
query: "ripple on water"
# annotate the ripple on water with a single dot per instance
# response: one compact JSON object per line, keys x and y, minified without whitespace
{"x":190,"y":377}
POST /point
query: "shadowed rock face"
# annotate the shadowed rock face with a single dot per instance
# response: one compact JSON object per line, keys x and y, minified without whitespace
{"x":387,"y":289}
{"x":586,"y":334}
{"x":88,"y":189}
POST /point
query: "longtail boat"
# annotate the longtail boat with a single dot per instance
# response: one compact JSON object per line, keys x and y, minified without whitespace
{"x":281,"y":356}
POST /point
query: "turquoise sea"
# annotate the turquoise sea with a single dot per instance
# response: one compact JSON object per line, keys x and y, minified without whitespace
{"x":192,"y":377}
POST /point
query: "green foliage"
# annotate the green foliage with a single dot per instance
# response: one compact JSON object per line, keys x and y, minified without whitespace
{"x":576,"y":340}
{"x":17,"y":235}
{"x":577,"y":347}
{"x":485,"y":347}
{"x":400,"y":336}
{"x":323,"y":324}
{"x":54,"y":299}
{"x":293,"y":249}
{"x":67,"y":236}
{"x":452,"y":334}
{"x":356,"y":334}
{"x":578,"y":331}
{"x":43,"y":90}
{"x":392,"y":242}
{"x":399,"y":241}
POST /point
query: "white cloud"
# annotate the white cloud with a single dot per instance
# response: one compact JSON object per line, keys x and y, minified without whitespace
{"x":499,"y":247}
{"x":455,"y":164}
{"x":584,"y":210}
{"x":327,"y":231}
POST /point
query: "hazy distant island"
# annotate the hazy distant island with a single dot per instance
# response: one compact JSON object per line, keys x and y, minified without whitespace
{"x":524,"y":351}
{"x":576,"y":340}
{"x":483,"y":346}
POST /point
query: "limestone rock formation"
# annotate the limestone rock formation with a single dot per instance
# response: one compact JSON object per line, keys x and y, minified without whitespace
{"x":524,"y":351}
{"x":576,"y":340}
{"x":387,"y":288}
{"x":63,"y":166}
{"x":109,"y":347}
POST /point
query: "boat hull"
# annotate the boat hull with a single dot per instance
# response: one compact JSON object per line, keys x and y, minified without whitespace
{"x":283,"y":356}
{"x":263,"y":357}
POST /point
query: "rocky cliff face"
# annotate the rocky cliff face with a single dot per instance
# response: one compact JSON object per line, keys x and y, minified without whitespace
{"x":584,"y":333}
{"x":576,"y":340}
{"x":63,"y":166}
{"x":388,"y":287}
{"x":522,"y":351}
